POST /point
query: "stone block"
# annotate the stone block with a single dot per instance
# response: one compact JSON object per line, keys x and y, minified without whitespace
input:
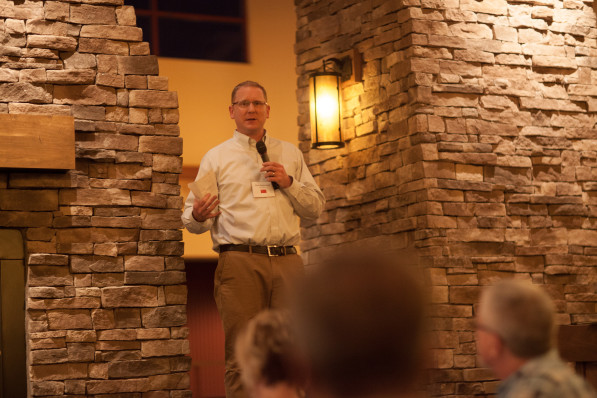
{"x":25,"y":92}
{"x":549,"y":104}
{"x":69,"y":302}
{"x":138,"y":65}
{"x":140,"y":368}
{"x":124,"y":33}
{"x":84,"y":95}
{"x":153,"y":99}
{"x":125,"y":15}
{"x":176,"y":294}
{"x":180,"y":363}
{"x":540,"y":61}
{"x":87,"y":14}
{"x":172,"y":315}
{"x":170,"y":381}
{"x":81,"y":352}
{"x":45,"y":109}
{"x":582,"y":237}
{"x":44,"y":388}
{"x":110,"y":80}
{"x":74,"y":387}
{"x":143,"y":263}
{"x":162,"y":145}
{"x":42,"y":275}
{"x":153,"y":333}
{"x":136,"y":82}
{"x":116,"y":387}
{"x":464,"y":294}
{"x":60,"y":43}
{"x":95,"y":197}
{"x":56,"y":11}
{"x":130,"y":296}
{"x":46,"y":292}
{"x":49,"y":356}
{"x":103,"y":319}
{"x":9,"y":75}
{"x":154,"y":278}
{"x":80,"y":336}
{"x":77,"y":60}
{"x":161,"y":219}
{"x":33,"y":75}
{"x":139,"y":48}
{"x":103,"y":46}
{"x":159,"y":348}
{"x":157,"y":83}
{"x":64,"y":371}
{"x":85,"y":264}
{"x":64,"y":319}
{"x":71,"y":76}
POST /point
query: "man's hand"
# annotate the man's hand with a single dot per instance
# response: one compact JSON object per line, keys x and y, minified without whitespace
{"x":275,"y":172}
{"x":203,"y":208}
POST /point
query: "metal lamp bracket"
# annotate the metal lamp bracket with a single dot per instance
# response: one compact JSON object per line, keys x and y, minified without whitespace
{"x":349,"y":65}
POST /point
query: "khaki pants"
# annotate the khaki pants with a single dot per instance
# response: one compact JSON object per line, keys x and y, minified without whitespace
{"x":244,"y":285}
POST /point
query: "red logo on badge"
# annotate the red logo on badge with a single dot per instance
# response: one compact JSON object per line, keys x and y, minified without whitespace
{"x":264,"y":191}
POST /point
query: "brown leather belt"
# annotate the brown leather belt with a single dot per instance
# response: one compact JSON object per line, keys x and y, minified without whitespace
{"x":271,"y":251}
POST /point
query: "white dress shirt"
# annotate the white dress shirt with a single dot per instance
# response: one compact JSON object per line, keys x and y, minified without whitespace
{"x":246,"y":219}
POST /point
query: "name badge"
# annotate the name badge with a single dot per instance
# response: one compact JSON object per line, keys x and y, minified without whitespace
{"x":263,"y":189}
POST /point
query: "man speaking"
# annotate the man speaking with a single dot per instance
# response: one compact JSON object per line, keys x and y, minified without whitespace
{"x":264,"y":186}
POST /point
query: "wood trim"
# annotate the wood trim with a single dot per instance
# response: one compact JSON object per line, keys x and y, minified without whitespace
{"x":37,"y":141}
{"x":191,"y":17}
{"x":578,"y":343}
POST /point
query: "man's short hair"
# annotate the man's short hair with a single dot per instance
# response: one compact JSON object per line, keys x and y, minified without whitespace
{"x":248,"y":83}
{"x":360,"y":318}
{"x":522,"y":314}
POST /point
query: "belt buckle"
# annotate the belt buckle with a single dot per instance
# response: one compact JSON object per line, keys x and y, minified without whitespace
{"x":276,"y":252}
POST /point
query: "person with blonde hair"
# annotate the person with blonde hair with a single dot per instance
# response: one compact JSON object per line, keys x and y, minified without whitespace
{"x":266,"y":353}
{"x":516,"y":338}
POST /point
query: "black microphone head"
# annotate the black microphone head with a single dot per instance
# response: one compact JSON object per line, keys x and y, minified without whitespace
{"x":261,"y":148}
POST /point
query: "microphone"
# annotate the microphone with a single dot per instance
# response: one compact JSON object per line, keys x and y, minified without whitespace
{"x":262,"y":149}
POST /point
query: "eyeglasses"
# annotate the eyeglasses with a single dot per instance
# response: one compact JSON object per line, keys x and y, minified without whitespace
{"x":246,"y":104}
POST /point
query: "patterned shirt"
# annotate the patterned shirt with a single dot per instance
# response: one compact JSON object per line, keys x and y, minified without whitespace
{"x":546,"y":376}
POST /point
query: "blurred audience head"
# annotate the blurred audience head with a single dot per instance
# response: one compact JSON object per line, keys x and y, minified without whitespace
{"x":266,"y":353}
{"x":360,"y":320}
{"x":515,"y":322}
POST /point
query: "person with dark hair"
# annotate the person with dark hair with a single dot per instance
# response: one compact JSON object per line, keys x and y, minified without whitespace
{"x":360,"y":326}
{"x":516,"y":336}
{"x":267,"y":356}
{"x":263,"y":188}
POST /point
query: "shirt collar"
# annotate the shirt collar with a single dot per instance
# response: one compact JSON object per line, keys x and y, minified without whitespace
{"x":531,"y":366}
{"x":247,"y":141}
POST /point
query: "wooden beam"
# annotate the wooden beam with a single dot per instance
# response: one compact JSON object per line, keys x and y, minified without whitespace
{"x":578,"y":343}
{"x":37,"y":141}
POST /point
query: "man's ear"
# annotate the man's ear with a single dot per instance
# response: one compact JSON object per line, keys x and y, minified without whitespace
{"x":231,"y":110}
{"x":497,"y":346}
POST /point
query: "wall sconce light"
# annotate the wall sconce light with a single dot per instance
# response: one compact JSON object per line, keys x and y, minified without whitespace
{"x":326,"y":102}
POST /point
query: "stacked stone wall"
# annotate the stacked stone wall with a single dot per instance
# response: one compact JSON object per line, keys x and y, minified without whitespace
{"x":472,"y":140}
{"x":106,"y":293}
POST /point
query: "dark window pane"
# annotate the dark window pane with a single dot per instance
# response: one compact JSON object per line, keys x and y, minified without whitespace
{"x":229,"y":8}
{"x":139,"y":4}
{"x":201,"y":40}
{"x":145,"y":23}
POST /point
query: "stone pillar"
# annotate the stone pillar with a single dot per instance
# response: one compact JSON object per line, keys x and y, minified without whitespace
{"x":471,"y":140}
{"x":106,"y":308}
